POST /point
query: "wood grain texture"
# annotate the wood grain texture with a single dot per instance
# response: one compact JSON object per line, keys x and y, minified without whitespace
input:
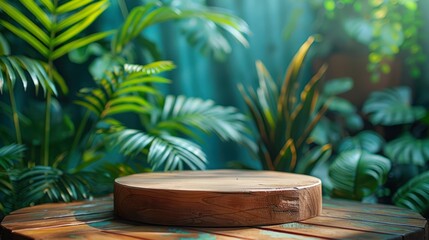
{"x":217,"y":198}
{"x":95,"y":220}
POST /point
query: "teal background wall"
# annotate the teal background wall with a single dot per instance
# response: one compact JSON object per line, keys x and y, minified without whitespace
{"x":204,"y":77}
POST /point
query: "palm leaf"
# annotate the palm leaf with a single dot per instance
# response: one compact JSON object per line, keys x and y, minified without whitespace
{"x":24,"y":22}
{"x":75,"y":44}
{"x":19,"y":68}
{"x":24,"y":35}
{"x":407,"y":149}
{"x":163,"y":152}
{"x":151,"y":68}
{"x":156,"y":12}
{"x":366,"y":141}
{"x":46,"y":184}
{"x":126,"y":93}
{"x":38,"y":12}
{"x":10,"y":155}
{"x":414,"y":194}
{"x":180,"y":111}
{"x":392,"y":107}
{"x":173,"y":153}
{"x":357,"y":174}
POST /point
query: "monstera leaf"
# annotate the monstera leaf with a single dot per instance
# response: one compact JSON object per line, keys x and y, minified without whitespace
{"x":392,"y":107}
{"x":366,"y":140}
{"x":414,"y":194}
{"x":408,"y":150}
{"x":357,"y":174}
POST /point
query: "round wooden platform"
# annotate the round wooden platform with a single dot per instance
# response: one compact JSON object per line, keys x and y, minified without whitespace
{"x":217,"y":198}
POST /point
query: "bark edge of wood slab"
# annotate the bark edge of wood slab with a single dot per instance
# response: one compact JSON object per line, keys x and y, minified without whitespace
{"x":217,"y":198}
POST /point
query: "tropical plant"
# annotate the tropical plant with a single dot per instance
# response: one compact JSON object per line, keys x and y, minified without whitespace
{"x":386,"y":28}
{"x":356,"y":174}
{"x":203,"y":26}
{"x":63,"y":162}
{"x":406,"y":150}
{"x":284,"y":116}
{"x":414,"y":194}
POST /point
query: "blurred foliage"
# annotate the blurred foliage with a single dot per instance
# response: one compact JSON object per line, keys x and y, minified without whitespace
{"x":387,"y":28}
{"x":378,"y":160}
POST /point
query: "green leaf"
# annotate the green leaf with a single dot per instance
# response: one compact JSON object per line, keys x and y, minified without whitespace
{"x":80,"y":43}
{"x":18,"y":67}
{"x":10,"y":156}
{"x":414,"y":194}
{"x":357,"y":174}
{"x":24,"y":35}
{"x":173,"y":153}
{"x":365,"y":140}
{"x":41,"y":16}
{"x":72,"y":5}
{"x":46,"y":184}
{"x":48,"y":4}
{"x":226,"y":122}
{"x":25,"y":22}
{"x":392,"y":107}
{"x":77,"y":28}
{"x":151,"y":68}
{"x":407,"y":149}
{"x":337,"y":86}
{"x":95,"y":9}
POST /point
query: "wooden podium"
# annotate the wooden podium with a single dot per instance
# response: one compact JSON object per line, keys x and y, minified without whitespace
{"x":217,"y":198}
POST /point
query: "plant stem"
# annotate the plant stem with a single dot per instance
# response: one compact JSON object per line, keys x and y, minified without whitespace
{"x":79,"y":132}
{"x":14,"y":111}
{"x":47,"y":133}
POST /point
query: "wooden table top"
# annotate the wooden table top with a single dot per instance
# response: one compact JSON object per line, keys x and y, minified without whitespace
{"x":95,"y":220}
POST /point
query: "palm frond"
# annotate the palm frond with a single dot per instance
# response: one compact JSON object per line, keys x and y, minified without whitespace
{"x":121,"y":93}
{"x":392,"y":107}
{"x":156,"y":12}
{"x":56,"y":30}
{"x":163,"y":152}
{"x":178,"y":112}
{"x":356,"y":174}
{"x":10,"y":155}
{"x":20,"y":68}
{"x":414,"y":194}
{"x":173,"y":153}
{"x":46,"y":184}
{"x":151,"y":68}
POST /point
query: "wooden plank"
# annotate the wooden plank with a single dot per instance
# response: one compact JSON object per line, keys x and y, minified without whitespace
{"x":164,"y":233}
{"x":406,"y":232}
{"x":255,"y":234}
{"x":413,"y":222}
{"x":53,"y":222}
{"x":328,"y":232}
{"x":217,"y":198}
{"x":65,"y":206}
{"x":106,"y":207}
{"x":380,"y":209}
